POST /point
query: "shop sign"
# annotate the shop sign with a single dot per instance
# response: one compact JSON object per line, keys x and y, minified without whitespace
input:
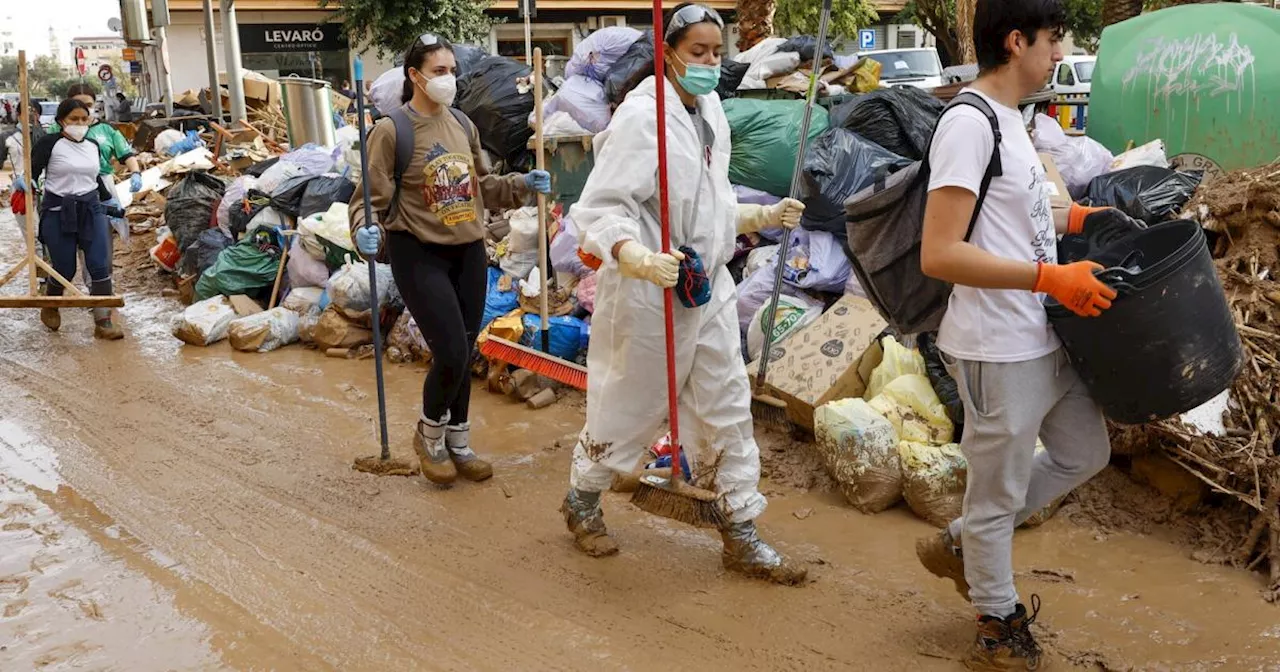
{"x":262,"y":38}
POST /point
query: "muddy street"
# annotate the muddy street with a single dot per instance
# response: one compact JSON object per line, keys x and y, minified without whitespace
{"x":164,"y":507}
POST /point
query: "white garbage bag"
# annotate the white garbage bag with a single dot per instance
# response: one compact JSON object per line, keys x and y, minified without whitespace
{"x":349,"y":287}
{"x":204,"y":323}
{"x":794,"y":313}
{"x":265,"y":331}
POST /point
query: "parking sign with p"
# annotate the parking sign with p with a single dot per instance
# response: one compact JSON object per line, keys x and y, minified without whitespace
{"x":866,"y":39}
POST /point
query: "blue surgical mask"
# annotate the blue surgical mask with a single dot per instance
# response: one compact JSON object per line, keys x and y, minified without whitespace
{"x":698,"y":80}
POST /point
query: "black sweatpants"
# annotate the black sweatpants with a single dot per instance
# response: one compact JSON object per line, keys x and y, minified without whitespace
{"x":443,"y":287}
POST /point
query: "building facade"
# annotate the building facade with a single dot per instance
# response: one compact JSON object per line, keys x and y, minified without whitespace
{"x":98,"y":51}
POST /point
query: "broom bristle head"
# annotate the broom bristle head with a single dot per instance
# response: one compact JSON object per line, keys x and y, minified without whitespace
{"x":679,"y":501}
{"x":377,"y":466}
{"x":770,"y":412}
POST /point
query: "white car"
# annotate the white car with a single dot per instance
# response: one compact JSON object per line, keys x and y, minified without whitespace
{"x":920,"y":68}
{"x":1074,"y":75}
{"x":48,"y":110}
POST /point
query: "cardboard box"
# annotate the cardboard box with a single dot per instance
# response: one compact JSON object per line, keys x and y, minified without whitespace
{"x":1061,"y":198}
{"x":256,"y":87}
{"x":244,"y":306}
{"x":828,"y":360}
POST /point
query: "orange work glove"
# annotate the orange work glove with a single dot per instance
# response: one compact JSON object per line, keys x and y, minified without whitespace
{"x":1075,"y":287}
{"x":1077,"y":215}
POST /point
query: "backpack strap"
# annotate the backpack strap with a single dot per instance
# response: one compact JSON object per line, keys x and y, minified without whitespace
{"x":404,"y":149}
{"x":995,"y":167}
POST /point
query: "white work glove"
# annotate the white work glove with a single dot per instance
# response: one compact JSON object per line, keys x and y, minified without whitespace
{"x":784,"y":214}
{"x":637,"y":261}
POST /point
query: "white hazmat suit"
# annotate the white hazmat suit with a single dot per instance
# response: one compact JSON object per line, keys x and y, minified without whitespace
{"x":626,"y":389}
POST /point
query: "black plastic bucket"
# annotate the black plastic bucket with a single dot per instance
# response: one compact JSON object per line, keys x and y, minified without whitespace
{"x":1169,"y":342}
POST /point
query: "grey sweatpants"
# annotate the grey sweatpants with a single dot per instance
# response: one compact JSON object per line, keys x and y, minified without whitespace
{"x":1006,"y":407}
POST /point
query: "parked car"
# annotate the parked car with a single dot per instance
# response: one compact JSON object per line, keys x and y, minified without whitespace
{"x":48,"y":110}
{"x":920,"y":68}
{"x":1074,"y":75}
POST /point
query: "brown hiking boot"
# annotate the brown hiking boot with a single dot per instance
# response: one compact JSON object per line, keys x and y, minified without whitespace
{"x":106,"y":325}
{"x":941,"y":555}
{"x":585,"y":519}
{"x":51,"y":318}
{"x":746,"y":553}
{"x":458,"y":441}
{"x":433,"y":457}
{"x":1006,"y":644}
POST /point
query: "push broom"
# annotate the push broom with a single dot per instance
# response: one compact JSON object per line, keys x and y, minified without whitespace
{"x":381,"y":464}
{"x":499,"y":349}
{"x":767,"y":409}
{"x":671,"y":496}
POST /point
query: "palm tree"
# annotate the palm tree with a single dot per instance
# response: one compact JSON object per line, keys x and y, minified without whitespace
{"x":755,"y":22}
{"x":1115,"y":11}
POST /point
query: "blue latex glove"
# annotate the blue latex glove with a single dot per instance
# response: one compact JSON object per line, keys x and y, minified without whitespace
{"x":539,"y":181}
{"x":368,"y":240}
{"x":135,"y":183}
{"x":19,"y":184}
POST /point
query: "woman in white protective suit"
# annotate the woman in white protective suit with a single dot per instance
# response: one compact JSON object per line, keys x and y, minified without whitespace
{"x":618,"y":218}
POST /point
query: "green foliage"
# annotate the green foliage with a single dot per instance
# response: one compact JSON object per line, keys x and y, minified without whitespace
{"x":1084,"y":22}
{"x":9,"y":72}
{"x":44,"y":70}
{"x":389,"y":26}
{"x":57,"y":88}
{"x":803,"y":16}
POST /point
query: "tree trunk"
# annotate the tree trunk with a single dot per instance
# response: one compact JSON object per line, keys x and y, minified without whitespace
{"x":1115,"y":11}
{"x":755,"y":22}
{"x":964,"y":30}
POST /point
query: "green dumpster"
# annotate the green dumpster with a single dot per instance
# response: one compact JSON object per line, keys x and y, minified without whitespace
{"x":1205,"y":79}
{"x":569,"y":159}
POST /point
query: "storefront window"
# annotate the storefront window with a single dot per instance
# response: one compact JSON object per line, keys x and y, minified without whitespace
{"x":330,"y":66}
{"x":300,"y":49}
{"x":515,"y":48}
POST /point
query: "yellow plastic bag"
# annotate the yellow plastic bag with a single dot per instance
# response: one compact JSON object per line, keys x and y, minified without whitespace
{"x":915,"y":411}
{"x":509,"y":327}
{"x":933,"y":480}
{"x":866,"y":75}
{"x":860,"y":449}
{"x":898,"y":361}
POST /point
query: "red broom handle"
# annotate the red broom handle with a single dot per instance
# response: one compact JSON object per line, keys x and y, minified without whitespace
{"x":664,"y":210}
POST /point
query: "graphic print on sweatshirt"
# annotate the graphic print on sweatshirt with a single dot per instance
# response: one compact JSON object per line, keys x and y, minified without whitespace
{"x":448,"y":186}
{"x":1045,"y":244}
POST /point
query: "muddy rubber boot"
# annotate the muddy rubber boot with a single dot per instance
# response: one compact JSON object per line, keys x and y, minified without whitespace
{"x":1006,"y":644}
{"x":51,"y":318}
{"x":941,"y":555}
{"x":433,"y":456}
{"x":746,"y":553}
{"x":106,"y":325}
{"x":585,"y":519}
{"x":458,"y":439}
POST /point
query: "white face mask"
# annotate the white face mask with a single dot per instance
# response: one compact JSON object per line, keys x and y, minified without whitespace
{"x":442,"y":89}
{"x":76,"y":132}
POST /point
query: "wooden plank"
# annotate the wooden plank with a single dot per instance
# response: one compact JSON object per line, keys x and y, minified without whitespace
{"x":33,"y":210}
{"x":13,"y":272}
{"x":54,"y":275}
{"x":61,"y":301}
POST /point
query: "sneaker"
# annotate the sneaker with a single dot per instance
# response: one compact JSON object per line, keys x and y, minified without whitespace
{"x":1006,"y":644}
{"x":458,"y":441}
{"x":51,"y":318}
{"x":106,"y":325}
{"x":746,"y":553}
{"x":585,"y":519}
{"x":433,"y":456}
{"x":941,"y":555}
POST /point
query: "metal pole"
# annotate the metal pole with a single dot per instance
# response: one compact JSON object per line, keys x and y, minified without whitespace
{"x":166,"y":79}
{"x":528,"y":35}
{"x":211,"y":55}
{"x":231,"y":43}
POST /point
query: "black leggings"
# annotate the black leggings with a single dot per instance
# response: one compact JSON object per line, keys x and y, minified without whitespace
{"x":443,"y":287}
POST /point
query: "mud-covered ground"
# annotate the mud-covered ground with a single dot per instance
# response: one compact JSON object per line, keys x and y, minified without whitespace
{"x":164,"y":507}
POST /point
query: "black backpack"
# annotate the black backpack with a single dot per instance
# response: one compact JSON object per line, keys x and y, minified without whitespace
{"x":404,"y":149}
{"x":885,"y":223}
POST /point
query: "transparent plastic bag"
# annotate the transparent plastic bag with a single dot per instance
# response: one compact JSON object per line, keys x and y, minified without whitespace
{"x":915,"y":411}
{"x":265,"y":331}
{"x":860,"y":449}
{"x":204,"y":323}
{"x":898,"y":361}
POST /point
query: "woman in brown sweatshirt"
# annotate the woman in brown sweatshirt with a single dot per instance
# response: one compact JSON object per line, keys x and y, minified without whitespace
{"x":432,"y":227}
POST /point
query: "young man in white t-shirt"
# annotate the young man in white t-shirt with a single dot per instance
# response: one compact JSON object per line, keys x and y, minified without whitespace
{"x":1013,"y":375}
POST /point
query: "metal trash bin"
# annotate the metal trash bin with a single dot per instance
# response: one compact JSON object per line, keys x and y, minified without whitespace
{"x":569,"y":159}
{"x":308,"y":111}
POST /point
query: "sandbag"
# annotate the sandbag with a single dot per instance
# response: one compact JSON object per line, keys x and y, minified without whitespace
{"x":933,"y":481}
{"x":242,"y":268}
{"x":323,"y":192}
{"x":807,"y":47}
{"x":189,"y":208}
{"x":265,"y":331}
{"x":898,"y":361}
{"x":1146,"y":193}
{"x":205,"y":322}
{"x":900,"y":119}
{"x":941,"y":380}
{"x":333,"y":330}
{"x":349,"y":288}
{"x":627,"y":70}
{"x":498,"y":102}
{"x":765,"y":139}
{"x":794,"y":313}
{"x":860,"y":450}
{"x":1079,"y":159}
{"x":910,"y":403}
{"x":839,"y":164}
{"x":204,"y":252}
{"x":583,"y":99}
{"x":500,"y":298}
{"x":595,"y":56}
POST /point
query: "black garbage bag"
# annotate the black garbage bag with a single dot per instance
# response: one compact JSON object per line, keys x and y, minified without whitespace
{"x":837,"y":165}
{"x":943,"y":384}
{"x":323,"y":192}
{"x":288,"y":196}
{"x":637,"y":60}
{"x":1147,"y":193}
{"x":467,"y":55}
{"x":261,"y":167}
{"x":901,"y":119}
{"x":490,"y":96}
{"x":1104,"y":228}
{"x":204,"y":252}
{"x":731,"y":76}
{"x":191,"y":205}
{"x":255,"y":202}
{"x":806,"y":45}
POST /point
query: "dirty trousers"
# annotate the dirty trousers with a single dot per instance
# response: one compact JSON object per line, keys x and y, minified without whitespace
{"x":443,"y":287}
{"x":1006,"y":406}
{"x":627,"y":393}
{"x":63,"y":240}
